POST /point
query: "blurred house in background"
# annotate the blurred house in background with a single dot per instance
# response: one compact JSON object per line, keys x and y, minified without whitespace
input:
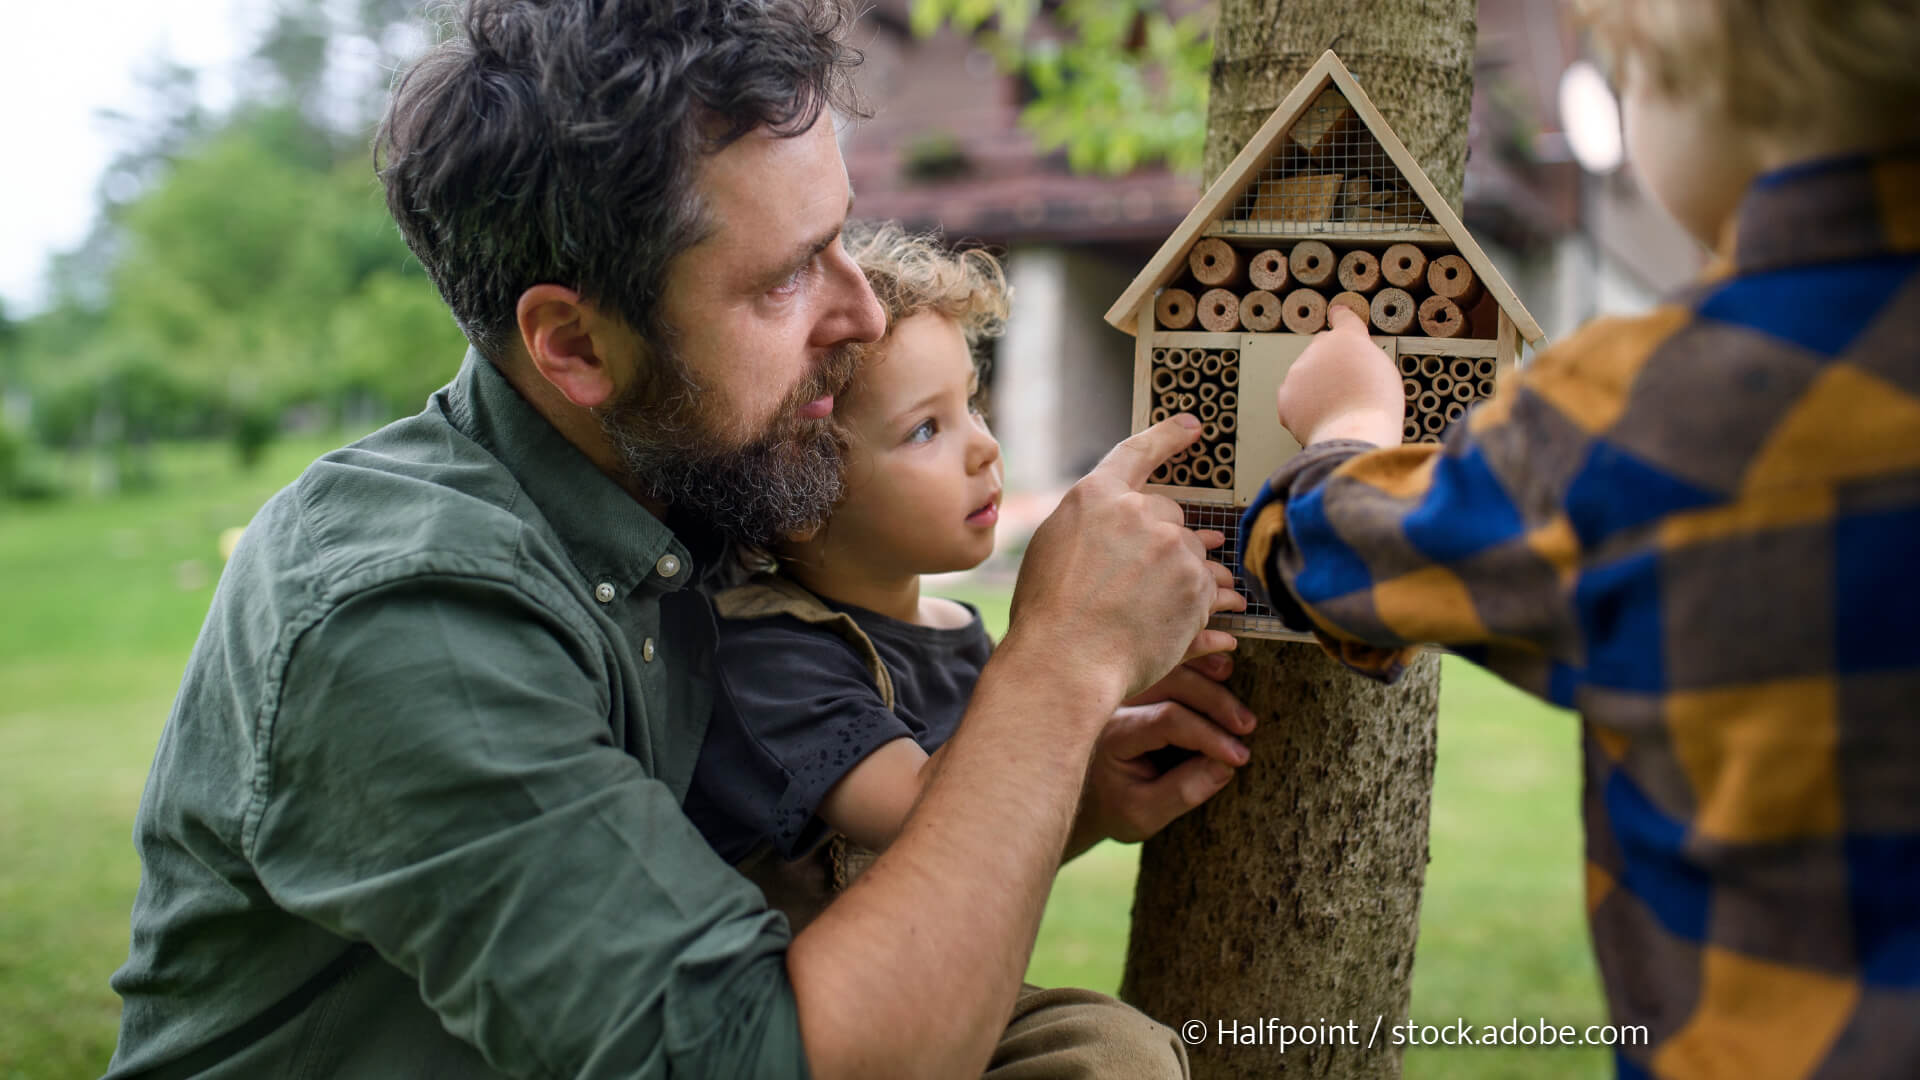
{"x":945,"y":150}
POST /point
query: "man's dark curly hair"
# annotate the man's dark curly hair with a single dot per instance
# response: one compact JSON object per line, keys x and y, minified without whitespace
{"x":557,"y":141}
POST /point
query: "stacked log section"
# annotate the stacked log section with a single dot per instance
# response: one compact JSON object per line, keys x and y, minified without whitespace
{"x":1393,"y":311}
{"x":1215,"y":263}
{"x":1441,"y":318}
{"x":1439,"y":391}
{"x":1353,"y":302}
{"x":1404,"y":266}
{"x":1175,"y":309}
{"x":1451,"y":277}
{"x":1359,"y":271}
{"x":1260,"y":311}
{"x":1198,"y":381}
{"x":1220,"y":311}
{"x":1312,"y":263}
{"x":1268,"y":271}
{"x":1399,"y":289}
{"x":1305,"y":311}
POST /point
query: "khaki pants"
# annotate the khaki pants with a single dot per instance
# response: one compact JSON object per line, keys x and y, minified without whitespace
{"x":1069,"y":1034}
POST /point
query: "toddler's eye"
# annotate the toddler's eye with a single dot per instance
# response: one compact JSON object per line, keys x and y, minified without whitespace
{"x":923,"y":431}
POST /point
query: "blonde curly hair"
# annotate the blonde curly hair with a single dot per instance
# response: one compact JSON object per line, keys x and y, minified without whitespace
{"x":1776,"y":66}
{"x":913,"y":273}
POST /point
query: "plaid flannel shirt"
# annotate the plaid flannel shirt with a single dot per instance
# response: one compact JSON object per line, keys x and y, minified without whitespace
{"x":1700,"y":528}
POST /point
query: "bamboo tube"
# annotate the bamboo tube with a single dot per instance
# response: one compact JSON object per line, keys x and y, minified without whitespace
{"x":1162,"y":380}
{"x":1268,"y":271}
{"x":1230,"y":373}
{"x":1441,"y":318}
{"x":1220,"y":311}
{"x":1182,"y":475}
{"x":1159,"y":356}
{"x":1209,"y":391}
{"x":1229,"y":419}
{"x":1208,"y":411}
{"x":1432,"y":365}
{"x":1210,"y":367}
{"x":1359,"y":271}
{"x":1461,"y":369}
{"x":1412,"y":387}
{"x":1393,"y":311}
{"x":1210,"y":431}
{"x":1223,"y":454}
{"x":1180,"y":455}
{"x":1160,"y":412}
{"x":1463,"y":391}
{"x":1429,"y":402}
{"x":1187,"y":402}
{"x":1222,"y":477}
{"x":1170,"y":399}
{"x":1202,"y":467}
{"x":1485,"y":367}
{"x":1229,"y":401}
{"x":1162,"y":474}
{"x":1455,"y":411}
{"x":1214,"y":262}
{"x":1312,"y":263}
{"x":1173,"y":309}
{"x":1430,"y":438}
{"x":1305,"y":311}
{"x":1441,"y":384}
{"x":1353,"y":302}
{"x":1485,"y":388}
{"x":1404,"y":266}
{"x":1409,"y":365}
{"x":1434,"y":422}
{"x":1260,"y":311}
{"x":1410,"y":431}
{"x":1178,"y":358}
{"x":1187,"y":377}
{"x":1451,"y":276}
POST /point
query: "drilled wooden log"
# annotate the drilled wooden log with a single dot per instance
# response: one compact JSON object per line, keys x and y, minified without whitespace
{"x":1404,"y":266}
{"x":1452,"y":277}
{"x":1174,"y":309}
{"x":1312,"y":263}
{"x":1214,"y":262}
{"x":1220,"y":311}
{"x":1353,"y":302}
{"x":1359,"y":271}
{"x":1260,"y":311}
{"x":1268,"y":270}
{"x":1305,"y":311}
{"x":1393,"y":311}
{"x":1441,"y":318}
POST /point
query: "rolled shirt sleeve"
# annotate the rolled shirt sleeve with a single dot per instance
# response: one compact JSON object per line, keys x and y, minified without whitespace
{"x":438,"y":778}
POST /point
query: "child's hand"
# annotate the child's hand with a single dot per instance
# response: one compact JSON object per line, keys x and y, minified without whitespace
{"x":1343,"y":387}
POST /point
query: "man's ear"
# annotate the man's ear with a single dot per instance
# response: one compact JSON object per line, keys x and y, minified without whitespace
{"x":568,"y":341}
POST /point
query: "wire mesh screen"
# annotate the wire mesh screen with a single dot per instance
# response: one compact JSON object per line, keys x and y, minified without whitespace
{"x":1328,"y":174}
{"x":1258,"y":618}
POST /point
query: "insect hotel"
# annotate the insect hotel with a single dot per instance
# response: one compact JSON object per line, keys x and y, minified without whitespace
{"x":1324,"y":206}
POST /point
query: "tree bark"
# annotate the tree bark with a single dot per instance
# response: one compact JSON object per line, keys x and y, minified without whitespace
{"x":1295,"y":894}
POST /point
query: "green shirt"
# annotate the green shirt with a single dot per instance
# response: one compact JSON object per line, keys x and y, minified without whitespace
{"x":437,"y":708}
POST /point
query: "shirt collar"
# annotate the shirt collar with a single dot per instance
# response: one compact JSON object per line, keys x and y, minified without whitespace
{"x":607,"y":534}
{"x":1830,"y":210}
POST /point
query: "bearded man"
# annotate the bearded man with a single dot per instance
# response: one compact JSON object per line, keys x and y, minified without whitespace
{"x":416,"y":811}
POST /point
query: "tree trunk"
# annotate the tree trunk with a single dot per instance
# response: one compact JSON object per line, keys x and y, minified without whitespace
{"x":1293,"y":898}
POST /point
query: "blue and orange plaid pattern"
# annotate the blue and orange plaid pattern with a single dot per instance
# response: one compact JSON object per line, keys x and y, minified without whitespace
{"x":1701,"y":529}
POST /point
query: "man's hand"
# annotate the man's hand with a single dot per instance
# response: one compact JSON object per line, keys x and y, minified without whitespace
{"x":1129,"y":794}
{"x":1115,"y":589}
{"x":1343,"y":387}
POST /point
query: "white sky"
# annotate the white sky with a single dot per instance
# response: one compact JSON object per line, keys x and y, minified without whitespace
{"x":59,"y":63}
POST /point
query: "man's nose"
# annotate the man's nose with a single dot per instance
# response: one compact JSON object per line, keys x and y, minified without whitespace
{"x":853,"y":312}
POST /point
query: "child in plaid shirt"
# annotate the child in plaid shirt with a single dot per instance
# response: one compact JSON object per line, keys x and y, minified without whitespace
{"x":1701,"y":528}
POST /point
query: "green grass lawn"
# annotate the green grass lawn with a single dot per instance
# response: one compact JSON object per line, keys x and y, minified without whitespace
{"x":104,"y":598}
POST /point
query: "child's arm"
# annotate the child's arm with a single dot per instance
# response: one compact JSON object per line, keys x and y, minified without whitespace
{"x":871,"y":801}
{"x":1480,"y":543}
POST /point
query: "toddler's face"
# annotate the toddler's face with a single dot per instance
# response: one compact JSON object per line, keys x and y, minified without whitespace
{"x":923,"y":471}
{"x":1693,"y":159}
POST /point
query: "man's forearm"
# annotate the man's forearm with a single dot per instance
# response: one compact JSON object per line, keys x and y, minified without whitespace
{"x":948,"y":914}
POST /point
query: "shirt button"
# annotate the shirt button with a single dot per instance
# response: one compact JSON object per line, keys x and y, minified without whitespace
{"x":668,"y":565}
{"x":603,"y":592}
{"x":646,"y":650}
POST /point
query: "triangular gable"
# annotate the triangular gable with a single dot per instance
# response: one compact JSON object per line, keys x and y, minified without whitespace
{"x":1324,"y":165}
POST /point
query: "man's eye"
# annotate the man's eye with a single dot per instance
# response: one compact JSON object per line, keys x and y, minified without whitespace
{"x":792,"y":281}
{"x":924,"y":431}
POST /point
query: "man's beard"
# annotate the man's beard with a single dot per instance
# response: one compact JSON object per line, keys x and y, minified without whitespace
{"x":783,"y":481}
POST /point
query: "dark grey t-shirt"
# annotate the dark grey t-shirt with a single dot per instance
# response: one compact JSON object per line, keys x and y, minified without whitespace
{"x":795,"y":710}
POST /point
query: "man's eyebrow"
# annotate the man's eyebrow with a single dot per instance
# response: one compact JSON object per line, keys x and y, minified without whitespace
{"x":803,"y":254}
